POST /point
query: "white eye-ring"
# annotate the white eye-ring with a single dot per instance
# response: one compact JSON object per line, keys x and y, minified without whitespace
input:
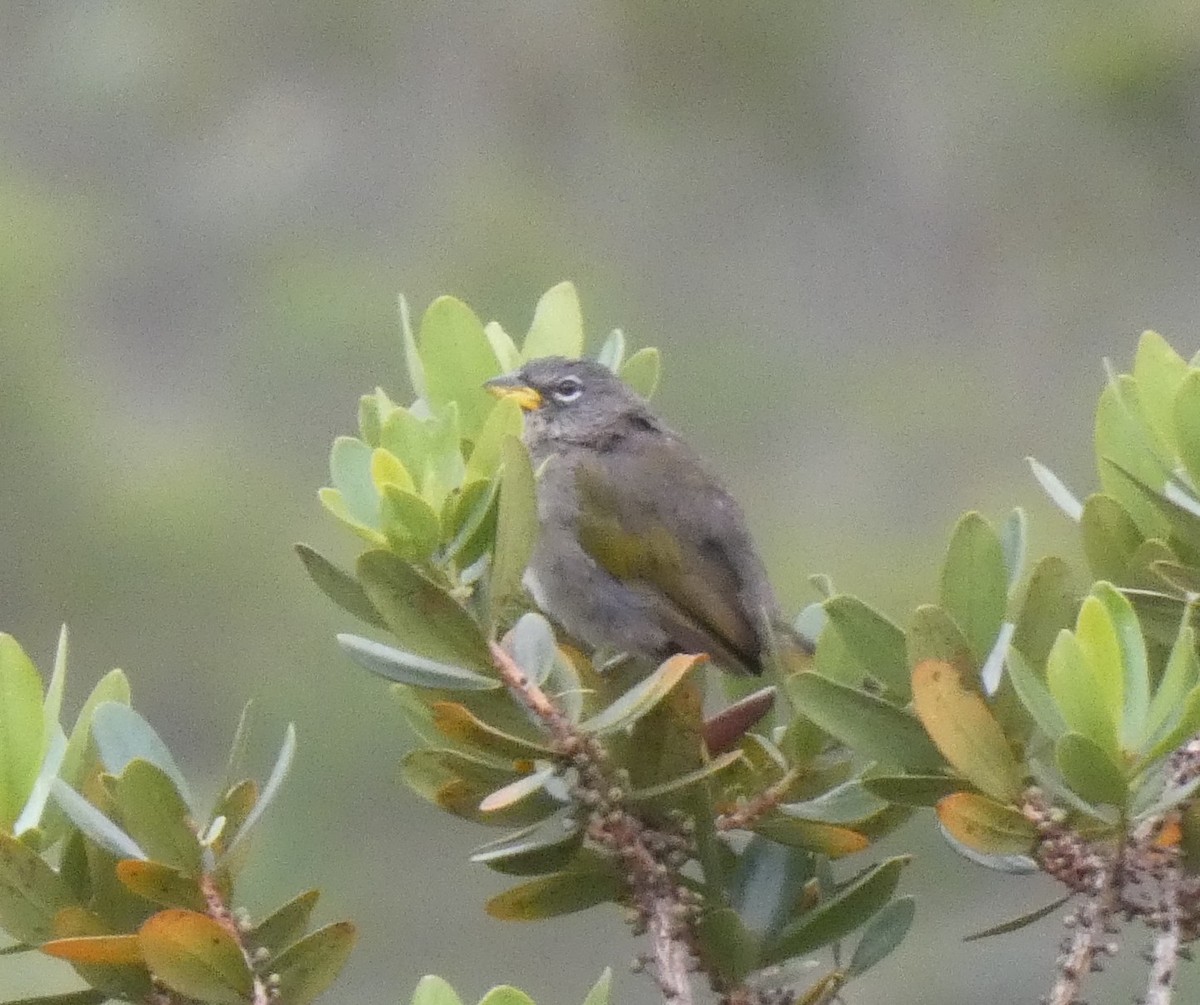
{"x":567,"y":390}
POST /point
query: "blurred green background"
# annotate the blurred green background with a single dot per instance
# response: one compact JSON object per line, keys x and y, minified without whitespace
{"x":883,"y":247}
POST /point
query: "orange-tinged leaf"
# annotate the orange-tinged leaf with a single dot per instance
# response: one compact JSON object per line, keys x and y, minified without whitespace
{"x":963,"y":728}
{"x":194,"y":955}
{"x":641,"y":698}
{"x":160,"y":884}
{"x":456,"y":722}
{"x":104,"y":950}
{"x":828,"y":839}
{"x":985,"y":825}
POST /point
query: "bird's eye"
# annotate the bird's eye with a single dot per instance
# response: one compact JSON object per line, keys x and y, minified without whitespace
{"x":568,"y":389}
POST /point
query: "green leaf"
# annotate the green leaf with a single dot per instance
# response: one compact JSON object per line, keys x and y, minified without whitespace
{"x":22,"y":729}
{"x":837,"y":917}
{"x":1076,"y":692}
{"x":612,"y":352}
{"x":340,"y":587}
{"x":1187,"y":725}
{"x":444,"y":465}
{"x":1134,"y":663}
{"x":986,"y":826}
{"x":284,"y":926}
{"x":974,"y":587}
{"x":958,"y":720}
{"x":934,"y":635}
{"x":506,"y":995}
{"x":536,"y":651}
{"x":1170,"y":510}
{"x":350,"y":472}
{"x":504,"y":420}
{"x":516,"y":527}
{"x":1097,"y":637}
{"x":1034,"y":695}
{"x":155,"y":815}
{"x":1125,"y":445}
{"x":161,"y":884}
{"x":601,"y":993}
{"x":508,"y":357}
{"x":1184,"y":578}
{"x":1110,"y":537}
{"x":194,"y":955}
{"x":869,"y":725}
{"x":1014,"y":534}
{"x":458,"y":358}
{"x":371,"y":410}
{"x":35,"y":806}
{"x":883,"y":934}
{"x":1158,"y":371}
{"x":1182,"y":673}
{"x":673,"y":786}
{"x":1016,"y":924}
{"x":412,"y":358}
{"x":95,"y":824}
{"x":546,"y":846}
{"x":409,"y":522}
{"x":1059,"y":494}
{"x":410,"y":669}
{"x":768,"y":884}
{"x":644,"y":696}
{"x":1050,"y":605}
{"x":387,"y":469}
{"x":31,"y":893}
{"x":66,"y":998}
{"x":642,"y":370}
{"x":425,"y":619}
{"x":279,"y":772}
{"x":434,"y":991}
{"x":52,"y":707}
{"x":1184,"y":416}
{"x":122,"y":735}
{"x":590,"y":883}
{"x":557,"y":328}
{"x":307,"y":968}
{"x":911,"y":790}
{"x":877,"y":644}
{"x":1089,"y":771}
{"x":726,"y":948}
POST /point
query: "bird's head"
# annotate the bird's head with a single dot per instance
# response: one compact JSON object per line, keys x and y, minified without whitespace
{"x":569,"y":399}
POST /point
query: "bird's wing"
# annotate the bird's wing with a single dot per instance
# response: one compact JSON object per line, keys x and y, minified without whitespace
{"x":655,"y":519}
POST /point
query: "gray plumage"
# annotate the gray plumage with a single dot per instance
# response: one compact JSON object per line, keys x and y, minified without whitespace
{"x":640,"y":549}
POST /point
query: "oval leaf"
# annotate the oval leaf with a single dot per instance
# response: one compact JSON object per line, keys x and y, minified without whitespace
{"x":878,"y":645}
{"x":411,"y":669}
{"x":1089,"y":771}
{"x":985,"y":825}
{"x":873,"y":727}
{"x":974,"y":587}
{"x":557,"y":894}
{"x":965,"y":731}
{"x":307,"y":968}
{"x":838,"y":916}
{"x":425,"y":619}
{"x":160,"y":884}
{"x":22,"y":729}
{"x":196,"y":956}
{"x":642,"y":697}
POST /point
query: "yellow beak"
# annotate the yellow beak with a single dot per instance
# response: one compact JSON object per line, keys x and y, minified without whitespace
{"x":510,"y":386}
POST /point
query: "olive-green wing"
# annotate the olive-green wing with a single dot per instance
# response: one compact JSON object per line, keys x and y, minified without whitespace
{"x":655,"y":519}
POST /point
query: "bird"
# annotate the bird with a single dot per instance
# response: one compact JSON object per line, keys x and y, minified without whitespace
{"x":640,"y":549}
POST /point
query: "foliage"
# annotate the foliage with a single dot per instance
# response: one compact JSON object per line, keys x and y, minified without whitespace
{"x":584,"y":767}
{"x":109,"y":863}
{"x":1064,"y":724}
{"x":435,"y":991}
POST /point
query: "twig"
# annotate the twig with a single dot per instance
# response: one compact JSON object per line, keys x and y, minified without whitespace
{"x":1165,"y":954}
{"x":219,"y":911}
{"x":749,"y":812}
{"x":648,"y":856}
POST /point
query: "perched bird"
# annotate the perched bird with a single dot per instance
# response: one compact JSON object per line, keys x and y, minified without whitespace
{"x":640,"y":549}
